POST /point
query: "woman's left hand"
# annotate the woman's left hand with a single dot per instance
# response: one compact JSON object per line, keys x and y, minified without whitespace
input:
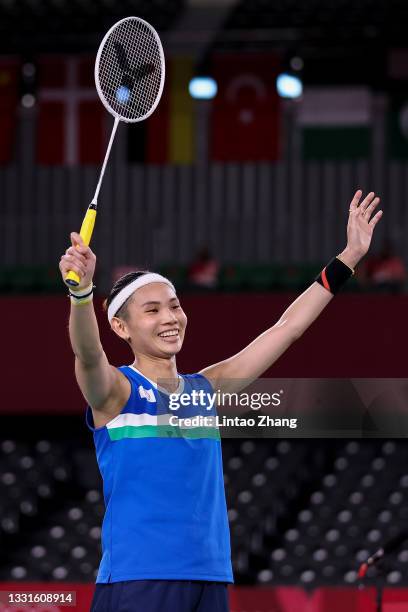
{"x":360,"y":227}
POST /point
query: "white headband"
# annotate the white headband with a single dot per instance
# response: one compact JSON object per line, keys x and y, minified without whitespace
{"x":127,"y":291}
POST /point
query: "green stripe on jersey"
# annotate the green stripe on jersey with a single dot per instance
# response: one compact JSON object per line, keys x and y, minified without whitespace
{"x":163,"y":431}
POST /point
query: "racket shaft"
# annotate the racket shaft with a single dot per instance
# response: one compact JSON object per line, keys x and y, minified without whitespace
{"x":105,"y":161}
{"x":87,"y":227}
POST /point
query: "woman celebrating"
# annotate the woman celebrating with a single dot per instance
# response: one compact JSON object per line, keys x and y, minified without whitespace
{"x":165,"y":537}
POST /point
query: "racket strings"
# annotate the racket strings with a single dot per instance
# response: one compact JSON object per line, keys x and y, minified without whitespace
{"x":130,"y":69}
{"x":124,"y":99}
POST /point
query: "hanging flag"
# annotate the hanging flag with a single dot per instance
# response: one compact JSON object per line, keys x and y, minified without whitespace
{"x":397,"y":66}
{"x":181,"y":106}
{"x":147,"y":141}
{"x":397,"y":126}
{"x":335,"y":122}
{"x":167,"y":136}
{"x":9,"y":73}
{"x":71,"y":119}
{"x":157,"y":128}
{"x":246,"y":111}
{"x":397,"y":111}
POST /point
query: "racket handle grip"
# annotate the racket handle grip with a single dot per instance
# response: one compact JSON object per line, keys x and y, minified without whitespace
{"x":87,"y":228}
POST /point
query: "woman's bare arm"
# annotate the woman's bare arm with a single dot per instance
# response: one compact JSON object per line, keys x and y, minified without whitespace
{"x":104,"y":387}
{"x":236,"y":372}
{"x":239,"y":370}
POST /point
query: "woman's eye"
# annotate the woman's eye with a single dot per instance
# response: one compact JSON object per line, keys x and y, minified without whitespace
{"x":152,"y":310}
{"x":178,"y":306}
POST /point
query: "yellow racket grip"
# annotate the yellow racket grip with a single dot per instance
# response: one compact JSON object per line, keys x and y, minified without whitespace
{"x":87,"y":227}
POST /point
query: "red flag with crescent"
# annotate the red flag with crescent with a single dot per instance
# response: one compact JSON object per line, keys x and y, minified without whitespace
{"x":246,"y":112}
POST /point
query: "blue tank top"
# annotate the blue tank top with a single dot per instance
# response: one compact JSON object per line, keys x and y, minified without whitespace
{"x":166,"y":515}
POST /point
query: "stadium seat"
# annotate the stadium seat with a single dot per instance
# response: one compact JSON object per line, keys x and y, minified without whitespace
{"x":299,"y":513}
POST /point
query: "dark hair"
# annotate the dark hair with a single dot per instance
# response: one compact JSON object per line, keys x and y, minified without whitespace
{"x":122,"y":282}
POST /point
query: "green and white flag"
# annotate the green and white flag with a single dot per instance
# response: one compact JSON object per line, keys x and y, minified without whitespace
{"x":397,"y":115}
{"x":397,"y":126}
{"x":335,"y":122}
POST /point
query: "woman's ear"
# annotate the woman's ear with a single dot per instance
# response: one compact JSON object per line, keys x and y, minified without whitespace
{"x":120,"y":328}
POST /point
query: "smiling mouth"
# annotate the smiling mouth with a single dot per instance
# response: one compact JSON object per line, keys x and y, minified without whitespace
{"x":172,"y":334}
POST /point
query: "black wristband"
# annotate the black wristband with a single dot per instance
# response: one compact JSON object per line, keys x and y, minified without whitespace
{"x":334,"y":276}
{"x":81,"y":297}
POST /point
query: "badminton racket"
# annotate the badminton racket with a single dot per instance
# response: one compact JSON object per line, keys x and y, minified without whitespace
{"x":129,"y":78}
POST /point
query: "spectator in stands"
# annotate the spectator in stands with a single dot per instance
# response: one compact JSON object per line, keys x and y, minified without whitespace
{"x":386,"y":271}
{"x":165,"y":537}
{"x":203,"y":271}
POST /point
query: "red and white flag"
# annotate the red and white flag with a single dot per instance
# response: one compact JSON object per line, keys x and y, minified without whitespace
{"x":246,"y":110}
{"x":72,"y":122}
{"x":9,"y":71}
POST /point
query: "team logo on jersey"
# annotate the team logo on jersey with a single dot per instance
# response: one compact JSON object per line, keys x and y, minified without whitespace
{"x":147,"y":394}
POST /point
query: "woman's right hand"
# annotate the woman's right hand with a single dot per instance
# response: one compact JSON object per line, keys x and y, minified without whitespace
{"x":80,"y":259}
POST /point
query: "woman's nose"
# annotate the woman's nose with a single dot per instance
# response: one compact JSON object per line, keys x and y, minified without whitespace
{"x":170,"y":316}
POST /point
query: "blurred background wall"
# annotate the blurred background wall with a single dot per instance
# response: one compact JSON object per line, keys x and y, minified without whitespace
{"x":253,"y":176}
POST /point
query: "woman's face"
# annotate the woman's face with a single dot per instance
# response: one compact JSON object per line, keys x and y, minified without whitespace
{"x":156,"y":321}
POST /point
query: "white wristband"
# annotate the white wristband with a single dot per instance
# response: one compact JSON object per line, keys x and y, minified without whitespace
{"x":81,"y":297}
{"x":81,"y":292}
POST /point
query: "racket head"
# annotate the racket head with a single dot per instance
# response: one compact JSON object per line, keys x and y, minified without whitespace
{"x":130,"y":70}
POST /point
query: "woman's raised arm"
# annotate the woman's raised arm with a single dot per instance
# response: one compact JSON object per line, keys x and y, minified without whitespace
{"x":236,"y":372}
{"x":104,"y":387}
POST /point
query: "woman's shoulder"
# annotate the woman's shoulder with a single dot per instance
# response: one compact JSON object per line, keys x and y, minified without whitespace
{"x":197,"y":380}
{"x":134,"y":375}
